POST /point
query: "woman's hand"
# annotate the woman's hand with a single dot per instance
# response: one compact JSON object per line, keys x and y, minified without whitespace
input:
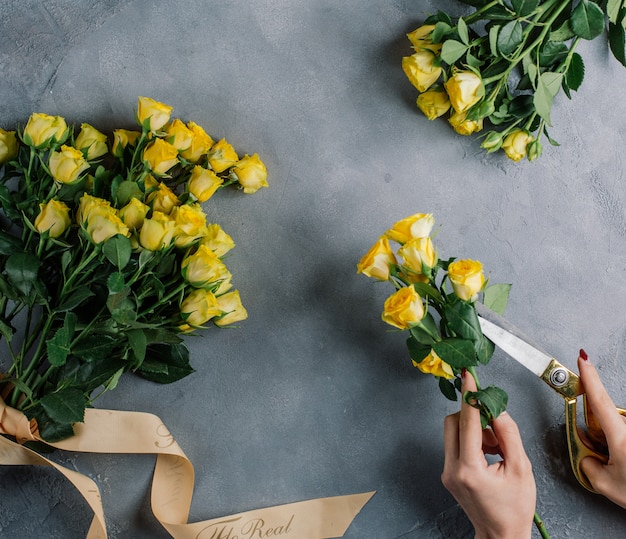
{"x":607,"y":479}
{"x":499,"y":498}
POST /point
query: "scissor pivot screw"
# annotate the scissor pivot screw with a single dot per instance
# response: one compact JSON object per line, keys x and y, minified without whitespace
{"x":559,"y":377}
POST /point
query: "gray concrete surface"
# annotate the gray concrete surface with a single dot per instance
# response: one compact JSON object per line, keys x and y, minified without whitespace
{"x":313,"y":397}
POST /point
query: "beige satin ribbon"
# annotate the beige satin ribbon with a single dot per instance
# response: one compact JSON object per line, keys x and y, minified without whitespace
{"x":109,"y":431}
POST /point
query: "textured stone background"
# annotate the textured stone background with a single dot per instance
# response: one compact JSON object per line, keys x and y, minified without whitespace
{"x":312,"y":396}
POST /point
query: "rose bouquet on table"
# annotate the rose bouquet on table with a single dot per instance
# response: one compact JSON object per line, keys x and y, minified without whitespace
{"x":107,"y":258}
{"x":500,"y":67}
{"x":434,"y":303}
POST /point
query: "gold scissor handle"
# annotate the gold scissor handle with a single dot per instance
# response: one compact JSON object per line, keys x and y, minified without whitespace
{"x":578,"y":450}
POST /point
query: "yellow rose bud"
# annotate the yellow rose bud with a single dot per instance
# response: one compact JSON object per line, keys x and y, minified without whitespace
{"x":160,"y":156}
{"x":90,"y":140}
{"x":251,"y":173}
{"x":465,"y":89}
{"x":419,"y":225}
{"x":516,"y":143}
{"x":404,"y":309}
{"x":421,"y":69}
{"x":54,"y":218}
{"x":104,"y":224}
{"x":230,"y":304}
{"x":123,"y":138}
{"x":378,"y":260}
{"x":419,"y":255}
{"x":222,"y":156}
{"x":8,"y":146}
{"x":203,"y":183}
{"x":467,"y":278}
{"x":433,"y":103}
{"x":162,"y":198}
{"x":87,"y":204}
{"x":463,"y":126}
{"x":199,"y":307}
{"x":178,"y":135}
{"x":534,"y":150}
{"x":67,"y":164}
{"x":492,"y":141}
{"x":134,"y":214}
{"x":421,"y":38}
{"x":204,"y":269}
{"x":201,"y":143}
{"x":154,"y":113}
{"x":190,"y":224}
{"x":217,"y":240}
{"x":433,"y":364}
{"x":42,"y":130}
{"x":157,"y":232}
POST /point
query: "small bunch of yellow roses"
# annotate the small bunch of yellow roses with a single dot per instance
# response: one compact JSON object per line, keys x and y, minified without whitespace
{"x":504,"y":63}
{"x":434,"y":302}
{"x":107,"y":256}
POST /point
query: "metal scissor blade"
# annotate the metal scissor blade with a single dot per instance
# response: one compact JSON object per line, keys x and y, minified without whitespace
{"x":509,"y":339}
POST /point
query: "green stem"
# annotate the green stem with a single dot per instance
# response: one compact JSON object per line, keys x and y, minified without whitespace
{"x":541,"y":527}
{"x":472,"y":371}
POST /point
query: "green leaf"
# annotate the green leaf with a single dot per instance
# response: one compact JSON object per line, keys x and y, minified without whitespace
{"x":115,"y":283}
{"x":428,"y":291}
{"x":95,"y":347}
{"x":126,"y":190}
{"x":463,"y":32}
{"x":616,"y":42}
{"x":493,"y":40}
{"x":138,"y":343}
{"x":452,"y":50}
{"x":76,"y":298}
{"x":113,"y":381}
{"x":65,"y":406}
{"x":587,"y":20}
{"x":166,"y":363}
{"x":457,"y":353}
{"x":118,"y":250}
{"x":6,"y":330}
{"x":50,"y":430}
{"x":509,"y":37}
{"x":439,"y":32}
{"x":613,"y":8}
{"x":496,"y":297}
{"x":418,"y":351}
{"x":462,"y":319}
{"x":548,"y":86}
{"x":447,"y":388}
{"x":491,"y":401}
{"x":552,"y":53}
{"x":22,"y":269}
{"x":523,"y":8}
{"x":563,"y":33}
{"x":58,"y":347}
{"x":575,"y":72}
{"x":9,"y":244}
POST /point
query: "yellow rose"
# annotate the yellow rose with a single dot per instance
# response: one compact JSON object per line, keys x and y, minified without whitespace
{"x":465,"y":89}
{"x":54,"y":218}
{"x":200,"y":143}
{"x":8,"y":146}
{"x":134,"y":214}
{"x":419,"y":225}
{"x":419,"y":254}
{"x":421,"y":38}
{"x":463,"y":126}
{"x":433,"y":103}
{"x":222,"y":156}
{"x":123,"y":138}
{"x":217,"y":240}
{"x":230,"y":304}
{"x":67,"y":164}
{"x":433,"y":364}
{"x":378,"y":260}
{"x":157,"y":232}
{"x":178,"y":135}
{"x":204,"y":269}
{"x":421,"y":69}
{"x":90,"y":140}
{"x":251,"y":173}
{"x":203,"y":183}
{"x":87,"y":204}
{"x":42,"y":130}
{"x":199,"y":307}
{"x":516,"y":144}
{"x":404,"y":309}
{"x":467,"y":278}
{"x":103,"y":224}
{"x":154,"y":113}
{"x":190,"y":224}
{"x":162,"y":198}
{"x":160,"y":156}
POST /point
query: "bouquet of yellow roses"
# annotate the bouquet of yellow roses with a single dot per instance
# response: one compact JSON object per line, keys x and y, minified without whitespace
{"x":434,"y":302}
{"x":107,"y":257}
{"x":505,"y":62}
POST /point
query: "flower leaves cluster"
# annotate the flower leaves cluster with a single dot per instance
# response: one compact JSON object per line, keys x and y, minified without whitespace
{"x":107,"y":257}
{"x":434,"y":300}
{"x":500,"y":67}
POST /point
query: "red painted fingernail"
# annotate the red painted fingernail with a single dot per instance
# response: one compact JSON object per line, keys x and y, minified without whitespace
{"x":583,"y":354}
{"x":463,"y":372}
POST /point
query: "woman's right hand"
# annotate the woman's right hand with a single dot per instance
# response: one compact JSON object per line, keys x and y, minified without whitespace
{"x":607,"y":479}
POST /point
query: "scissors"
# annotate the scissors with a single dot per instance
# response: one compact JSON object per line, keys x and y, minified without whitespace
{"x":558,"y":377}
